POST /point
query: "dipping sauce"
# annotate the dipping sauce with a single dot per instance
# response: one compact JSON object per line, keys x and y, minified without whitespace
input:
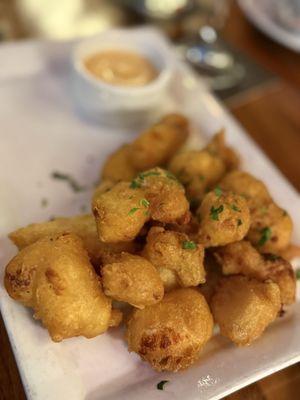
{"x":121,"y":68}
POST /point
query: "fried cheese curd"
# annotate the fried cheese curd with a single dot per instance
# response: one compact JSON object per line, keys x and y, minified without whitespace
{"x":158,"y":144}
{"x":118,"y":167}
{"x":218,"y":146}
{"x":122,"y":211}
{"x":55,"y":278}
{"x":246,"y":185}
{"x":242,"y":258}
{"x":166,"y":195}
{"x":82,"y":225}
{"x":224,"y":217}
{"x":132,"y":279}
{"x":197,"y":170}
{"x":271,"y":226}
{"x":200,"y":170}
{"x":178,"y":260}
{"x":151,"y":148}
{"x":244,"y":307}
{"x":171,"y":334}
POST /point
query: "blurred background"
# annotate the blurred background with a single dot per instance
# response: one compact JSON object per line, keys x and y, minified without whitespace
{"x":209,"y":34}
{"x":248,"y":51}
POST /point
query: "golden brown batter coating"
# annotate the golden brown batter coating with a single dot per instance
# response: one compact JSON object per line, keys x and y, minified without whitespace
{"x":120,"y":213}
{"x":244,"y":307}
{"x":198,"y":170}
{"x":157,"y":145}
{"x":242,"y":258}
{"x":63,"y":289}
{"x":218,"y":146}
{"x":271,"y":228}
{"x":245,"y":184}
{"x":82,"y":225}
{"x":171,"y":334}
{"x":132,"y":279}
{"x":166,"y":196}
{"x":175,"y":252}
{"x":118,"y":166}
{"x":224,"y":218}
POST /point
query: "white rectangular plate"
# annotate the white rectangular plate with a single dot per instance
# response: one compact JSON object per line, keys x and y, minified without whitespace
{"x":41,"y":133}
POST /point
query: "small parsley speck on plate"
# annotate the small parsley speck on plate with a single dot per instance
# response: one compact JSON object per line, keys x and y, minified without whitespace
{"x":44,"y":202}
{"x":161,"y":384}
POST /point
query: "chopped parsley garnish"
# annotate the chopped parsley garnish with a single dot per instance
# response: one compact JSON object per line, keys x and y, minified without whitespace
{"x":171,"y":176}
{"x":133,"y":210}
{"x":74,"y":185}
{"x":161,"y":384}
{"x":234,"y":207}
{"x":214,"y":212}
{"x":44,"y":202}
{"x":218,"y":191}
{"x":239,"y":222}
{"x":298,"y":273}
{"x":135,"y":184}
{"x":266,"y":234}
{"x":145,"y":203}
{"x":263,"y":210}
{"x":189,"y":245}
{"x":202,"y":178}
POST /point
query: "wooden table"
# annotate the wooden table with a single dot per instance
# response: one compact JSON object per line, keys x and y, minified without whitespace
{"x":271,"y":115}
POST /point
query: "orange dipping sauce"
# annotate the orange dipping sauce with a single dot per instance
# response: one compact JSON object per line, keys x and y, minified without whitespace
{"x":123,"y":68}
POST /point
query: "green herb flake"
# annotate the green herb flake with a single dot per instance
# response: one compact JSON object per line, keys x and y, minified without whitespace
{"x":202,"y":178}
{"x":133,"y":210}
{"x":74,"y":185}
{"x":266,"y":234}
{"x":189,"y":245}
{"x":218,"y":191}
{"x":298,"y":273}
{"x":135,"y":184}
{"x":161,"y":384}
{"x":146,"y":213}
{"x":234,"y":207}
{"x":214,"y":212}
{"x":145,"y":203}
{"x":171,"y":176}
{"x":263,"y":210}
{"x":44,"y":202}
{"x":239,"y":222}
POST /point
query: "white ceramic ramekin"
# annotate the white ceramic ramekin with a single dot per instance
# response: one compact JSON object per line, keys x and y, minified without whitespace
{"x":120,"y":105}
